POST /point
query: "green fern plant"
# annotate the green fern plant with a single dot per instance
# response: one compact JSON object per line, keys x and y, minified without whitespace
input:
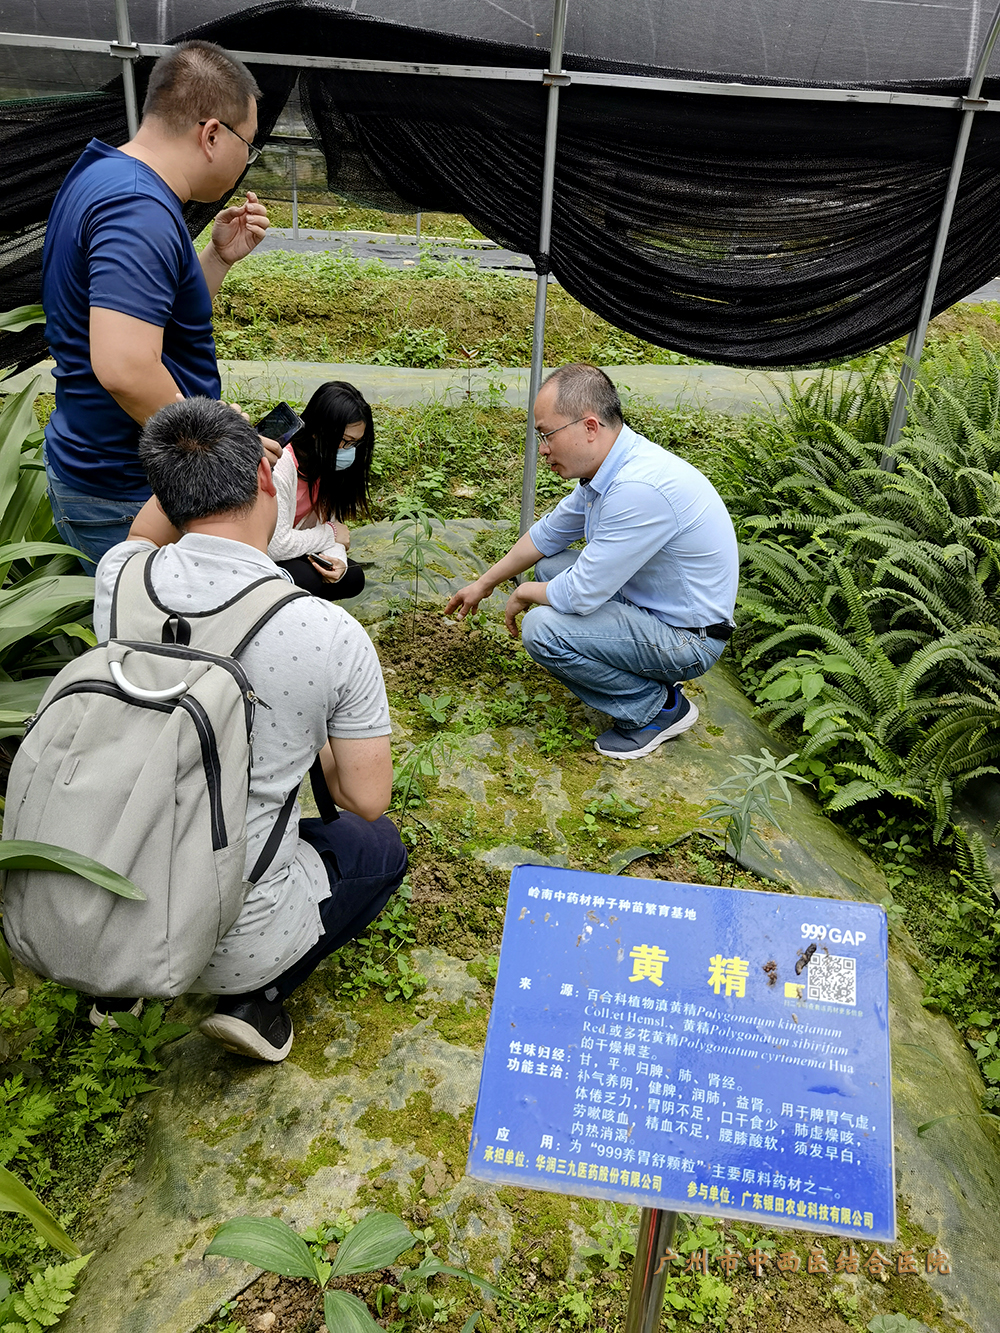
{"x":43,"y":1300}
{"x":870,"y":600}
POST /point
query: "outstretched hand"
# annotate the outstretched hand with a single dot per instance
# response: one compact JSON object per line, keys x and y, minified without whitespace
{"x":466,"y":601}
{"x":239,"y":229}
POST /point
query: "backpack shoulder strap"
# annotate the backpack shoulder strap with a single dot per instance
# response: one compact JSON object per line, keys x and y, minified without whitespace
{"x":138,"y":614}
{"x":132,"y":615}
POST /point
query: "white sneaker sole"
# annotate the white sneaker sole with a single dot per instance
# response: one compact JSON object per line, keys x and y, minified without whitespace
{"x":97,"y":1019}
{"x":668,"y":733}
{"x":243,"y":1038}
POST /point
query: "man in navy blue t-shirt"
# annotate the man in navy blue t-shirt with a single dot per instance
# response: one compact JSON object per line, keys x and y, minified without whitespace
{"x":128,"y":301}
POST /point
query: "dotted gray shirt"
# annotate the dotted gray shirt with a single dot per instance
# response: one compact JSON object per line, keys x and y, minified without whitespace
{"x":317,"y":669}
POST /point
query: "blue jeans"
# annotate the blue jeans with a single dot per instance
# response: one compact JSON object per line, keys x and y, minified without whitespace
{"x":620,"y":658}
{"x":91,"y":523}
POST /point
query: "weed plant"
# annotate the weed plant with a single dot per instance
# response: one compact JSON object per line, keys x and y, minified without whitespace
{"x":65,"y":1089}
{"x":331,"y":213}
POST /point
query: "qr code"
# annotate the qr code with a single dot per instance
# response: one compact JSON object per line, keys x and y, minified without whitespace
{"x":832,"y":979}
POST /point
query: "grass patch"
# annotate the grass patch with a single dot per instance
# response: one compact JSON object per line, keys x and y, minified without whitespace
{"x":336,"y":214}
{"x":334,"y":307}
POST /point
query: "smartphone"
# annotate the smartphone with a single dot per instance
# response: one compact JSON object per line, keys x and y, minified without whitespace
{"x":280,"y":424}
{"x":318,"y":560}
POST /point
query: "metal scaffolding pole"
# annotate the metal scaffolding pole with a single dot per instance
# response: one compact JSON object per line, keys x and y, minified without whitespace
{"x":650,"y":1270}
{"x":295,"y":194}
{"x":583,"y":78}
{"x":554,"y":78}
{"x":127,"y":52}
{"x":971,"y":103}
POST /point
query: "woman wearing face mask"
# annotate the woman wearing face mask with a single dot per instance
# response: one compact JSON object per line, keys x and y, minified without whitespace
{"x":322,"y":479}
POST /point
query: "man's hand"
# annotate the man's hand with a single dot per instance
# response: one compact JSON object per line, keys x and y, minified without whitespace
{"x":272,"y":450}
{"x":466,"y":600}
{"x":333,"y":575}
{"x":521,"y":556}
{"x":239,"y":230}
{"x":517,"y":602}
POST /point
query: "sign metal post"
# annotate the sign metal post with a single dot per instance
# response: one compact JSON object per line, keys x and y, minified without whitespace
{"x":650,"y":1270}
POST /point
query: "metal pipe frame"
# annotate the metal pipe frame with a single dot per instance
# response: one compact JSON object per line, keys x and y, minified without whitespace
{"x":555,"y":79}
{"x":127,"y":52}
{"x":578,"y":78}
{"x":650,"y":1270}
{"x":916,"y":340}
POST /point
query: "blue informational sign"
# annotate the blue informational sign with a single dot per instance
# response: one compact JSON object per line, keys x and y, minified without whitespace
{"x":679,"y":1046}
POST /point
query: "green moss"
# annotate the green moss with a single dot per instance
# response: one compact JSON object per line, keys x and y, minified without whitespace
{"x":462,"y":1025}
{"x":213,"y":1135}
{"x":383,"y":1195}
{"x":541,"y":1218}
{"x":319,"y":1026}
{"x":368,"y":1025}
{"x":419,"y":1127}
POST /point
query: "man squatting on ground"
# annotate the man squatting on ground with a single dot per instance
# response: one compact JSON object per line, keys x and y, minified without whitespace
{"x":128,"y":301}
{"x":648,"y":602}
{"x":214,"y":513}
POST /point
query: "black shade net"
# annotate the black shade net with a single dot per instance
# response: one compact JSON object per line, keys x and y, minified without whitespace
{"x":742,"y":230}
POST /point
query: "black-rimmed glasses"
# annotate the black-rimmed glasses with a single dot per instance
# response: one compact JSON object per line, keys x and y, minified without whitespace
{"x":543,"y":435}
{"x":253,"y":152}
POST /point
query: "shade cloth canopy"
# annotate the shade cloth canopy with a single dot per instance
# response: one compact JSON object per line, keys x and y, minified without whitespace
{"x":742,"y":230}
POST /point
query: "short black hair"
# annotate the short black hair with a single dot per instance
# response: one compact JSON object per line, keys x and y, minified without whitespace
{"x":581,"y":388}
{"x":198,"y":81}
{"x":201,"y":458}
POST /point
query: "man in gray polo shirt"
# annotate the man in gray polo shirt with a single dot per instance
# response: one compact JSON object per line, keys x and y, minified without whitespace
{"x":319,"y":674}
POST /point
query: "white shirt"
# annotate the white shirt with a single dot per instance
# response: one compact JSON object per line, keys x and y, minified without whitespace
{"x":310,"y":537}
{"x":318,"y":671}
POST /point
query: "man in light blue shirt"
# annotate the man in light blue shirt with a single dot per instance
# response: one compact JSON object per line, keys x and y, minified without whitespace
{"x":648,"y":602}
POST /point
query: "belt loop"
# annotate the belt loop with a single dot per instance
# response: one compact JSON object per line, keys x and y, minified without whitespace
{"x":702,"y":634}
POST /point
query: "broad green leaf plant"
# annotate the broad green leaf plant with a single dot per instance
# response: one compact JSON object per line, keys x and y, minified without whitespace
{"x":43,"y":592}
{"x":374,"y":1243}
{"x":47,"y":1294}
{"x":21,"y":318}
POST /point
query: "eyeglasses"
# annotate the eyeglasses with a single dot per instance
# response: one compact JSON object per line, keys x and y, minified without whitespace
{"x":253,"y":152}
{"x":543,"y":435}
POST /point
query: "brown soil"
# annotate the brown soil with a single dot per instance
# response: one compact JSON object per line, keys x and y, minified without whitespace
{"x":296,"y":1304}
{"x":698,"y":859}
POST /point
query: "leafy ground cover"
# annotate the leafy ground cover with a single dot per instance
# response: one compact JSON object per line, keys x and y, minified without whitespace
{"x":333,"y":307}
{"x":569,"y":1264}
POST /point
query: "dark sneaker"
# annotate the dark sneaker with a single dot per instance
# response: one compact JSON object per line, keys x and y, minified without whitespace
{"x":251,"y":1025}
{"x":106,"y":1005}
{"x":619,"y":743}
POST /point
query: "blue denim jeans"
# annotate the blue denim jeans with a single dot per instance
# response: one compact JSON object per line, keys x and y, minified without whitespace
{"x":91,"y":523}
{"x":620,"y":658}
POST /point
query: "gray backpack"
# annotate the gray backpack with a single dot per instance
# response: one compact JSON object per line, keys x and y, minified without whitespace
{"x":139,"y":756}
